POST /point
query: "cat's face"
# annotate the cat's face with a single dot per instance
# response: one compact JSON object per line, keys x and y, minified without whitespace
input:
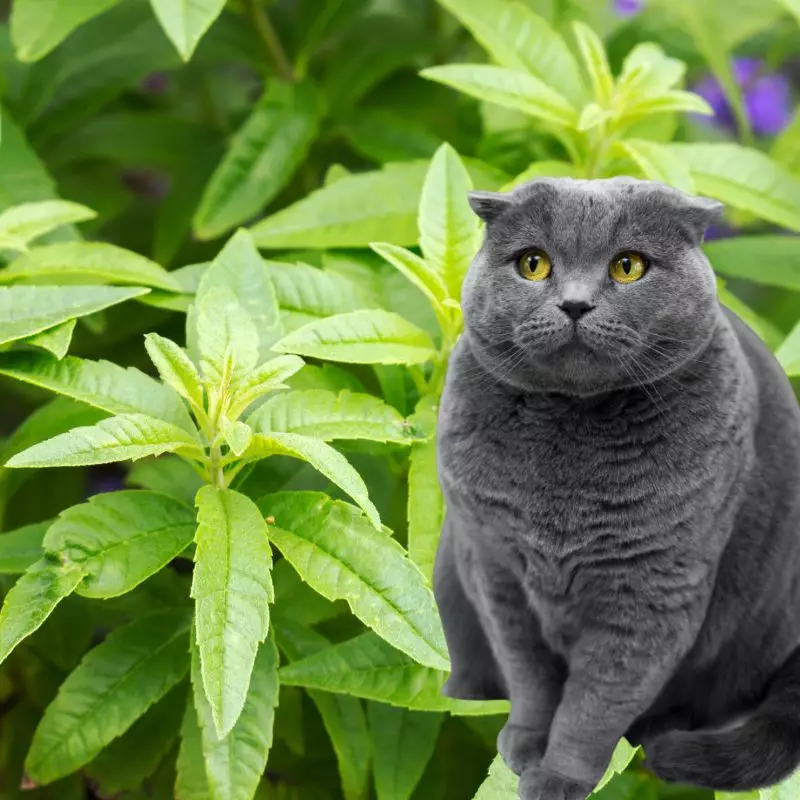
{"x":585,"y":286}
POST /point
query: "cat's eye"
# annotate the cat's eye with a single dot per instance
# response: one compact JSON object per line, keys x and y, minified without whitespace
{"x":627,"y":267}
{"x":534,"y":265}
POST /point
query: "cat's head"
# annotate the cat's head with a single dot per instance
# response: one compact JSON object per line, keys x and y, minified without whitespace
{"x":585,"y":286}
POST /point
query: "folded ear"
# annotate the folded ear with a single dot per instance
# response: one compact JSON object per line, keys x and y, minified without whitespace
{"x":489,"y":205}
{"x":699,"y":212}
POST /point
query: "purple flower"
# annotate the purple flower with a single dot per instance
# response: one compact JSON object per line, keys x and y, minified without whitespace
{"x":102,"y":480}
{"x":155,"y":83}
{"x":628,"y":8}
{"x":767,"y":97}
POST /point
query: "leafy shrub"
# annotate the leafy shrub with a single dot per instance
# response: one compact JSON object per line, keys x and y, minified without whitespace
{"x":244,"y":608}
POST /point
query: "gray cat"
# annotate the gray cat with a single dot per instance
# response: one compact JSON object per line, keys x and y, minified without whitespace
{"x":620,"y":459}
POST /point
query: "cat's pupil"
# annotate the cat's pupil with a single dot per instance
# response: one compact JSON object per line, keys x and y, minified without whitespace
{"x":626,"y":265}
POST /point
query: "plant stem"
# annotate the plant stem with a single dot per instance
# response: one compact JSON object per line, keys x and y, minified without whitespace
{"x":272,"y":42}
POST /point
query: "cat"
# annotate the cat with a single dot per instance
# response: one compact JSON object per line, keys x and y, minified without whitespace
{"x":620,"y":460}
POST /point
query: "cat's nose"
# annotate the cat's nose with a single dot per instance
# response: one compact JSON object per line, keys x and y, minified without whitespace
{"x":575,"y":308}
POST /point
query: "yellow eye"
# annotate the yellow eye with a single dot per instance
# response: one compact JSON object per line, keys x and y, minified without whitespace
{"x":535,"y":265}
{"x":627,"y":267}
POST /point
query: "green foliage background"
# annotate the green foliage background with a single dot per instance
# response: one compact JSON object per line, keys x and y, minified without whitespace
{"x":233,"y":239}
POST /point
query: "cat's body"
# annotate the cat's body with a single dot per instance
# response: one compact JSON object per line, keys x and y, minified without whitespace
{"x":623,"y":561}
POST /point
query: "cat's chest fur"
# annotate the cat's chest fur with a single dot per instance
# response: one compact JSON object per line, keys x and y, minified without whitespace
{"x":592,"y":502}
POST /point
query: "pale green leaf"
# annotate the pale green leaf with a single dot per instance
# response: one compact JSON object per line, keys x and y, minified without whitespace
{"x":361,"y":337}
{"x":122,"y":438}
{"x":595,"y":61}
{"x":743,"y":178}
{"x":119,"y":539}
{"x":239,"y":269}
{"x":788,"y":353}
{"x":175,"y":367}
{"x":37,"y":26}
{"x":341,"y":556}
{"x":592,"y":116}
{"x":368,"y":667}
{"x":403,"y":742}
{"x":786,"y":147}
{"x":32,"y":599}
{"x":622,"y":756}
{"x":238,"y":435}
{"x":449,"y":232}
{"x":269,"y":377}
{"x":21,"y":224}
{"x":90,"y":262}
{"x":114,"y":685}
{"x":191,"y":782}
{"x":25,"y":310}
{"x":21,"y":548}
{"x":657,"y":163}
{"x":55,"y":340}
{"x":185,"y":21}
{"x":667,"y":102}
{"x":415,"y":269}
{"x":648,"y":70}
{"x":306,"y":293}
{"x":770,"y":260}
{"x":232,"y":589}
{"x":508,"y":88}
{"x":132,"y":758}
{"x":263,"y":155}
{"x":766,"y":330}
{"x":342,"y":716}
{"x":101,"y":384}
{"x":792,"y":6}
{"x":545,"y":169}
{"x":517,"y":38}
{"x":235,"y":763}
{"x":328,"y":416}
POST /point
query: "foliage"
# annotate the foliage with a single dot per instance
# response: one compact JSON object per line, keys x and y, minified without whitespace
{"x":233,"y":239}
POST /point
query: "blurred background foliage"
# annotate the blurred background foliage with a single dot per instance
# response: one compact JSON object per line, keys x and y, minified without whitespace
{"x":178,"y":126}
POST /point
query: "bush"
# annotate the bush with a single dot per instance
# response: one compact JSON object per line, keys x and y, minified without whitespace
{"x":220,"y":533}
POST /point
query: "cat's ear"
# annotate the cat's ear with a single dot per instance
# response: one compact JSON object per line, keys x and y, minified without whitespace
{"x":699,"y":212}
{"x":489,"y":205}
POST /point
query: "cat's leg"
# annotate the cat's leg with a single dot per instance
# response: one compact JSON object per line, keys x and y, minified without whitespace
{"x":474,"y":672}
{"x":615,"y":675}
{"x":532,"y":674}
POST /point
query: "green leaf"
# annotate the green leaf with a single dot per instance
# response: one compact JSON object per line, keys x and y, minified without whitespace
{"x":368,"y":667}
{"x":239,"y":269}
{"x":238,"y":435}
{"x":786,"y":147}
{"x":449,"y":232}
{"x":545,"y":169}
{"x":119,"y":539}
{"x":101,"y":384}
{"x":620,"y":759}
{"x":232,"y":589}
{"x":96,"y":262}
{"x":508,"y":88}
{"x":361,"y":337}
{"x":595,"y":62}
{"x":592,"y":116}
{"x":135,"y":756}
{"x":262,"y":157}
{"x":786,"y":790}
{"x":665,"y":103}
{"x":122,"y":438}
{"x":793,"y":6}
{"x":425,"y":504}
{"x":235,"y":763}
{"x":175,"y":368}
{"x":191,"y":782}
{"x":657,"y":163}
{"x":337,"y":216}
{"x":112,"y":687}
{"x":333,"y":549}
{"x":307,"y":293}
{"x":22,"y":548}
{"x":788,"y":354}
{"x":770,"y":260}
{"x":647,"y":70}
{"x":185,"y":21}
{"x":32,"y":599}
{"x":169,"y":475}
{"x":743,"y":178}
{"x":328,"y":416}
{"x":21,"y":224}
{"x":37,"y":26}
{"x":269,"y":377}
{"x":402,"y":744}
{"x":343,"y":717}
{"x":332,"y":464}
{"x":415,"y":269}
{"x":769,"y":333}
{"x":517,"y":38}
{"x":55,"y":340}
{"x":25,"y":310}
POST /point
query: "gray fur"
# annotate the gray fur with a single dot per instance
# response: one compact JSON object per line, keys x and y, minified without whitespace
{"x":621,"y":553}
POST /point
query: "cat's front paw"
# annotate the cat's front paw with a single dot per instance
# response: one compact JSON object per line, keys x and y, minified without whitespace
{"x":538,"y":784}
{"x":521,"y":748}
